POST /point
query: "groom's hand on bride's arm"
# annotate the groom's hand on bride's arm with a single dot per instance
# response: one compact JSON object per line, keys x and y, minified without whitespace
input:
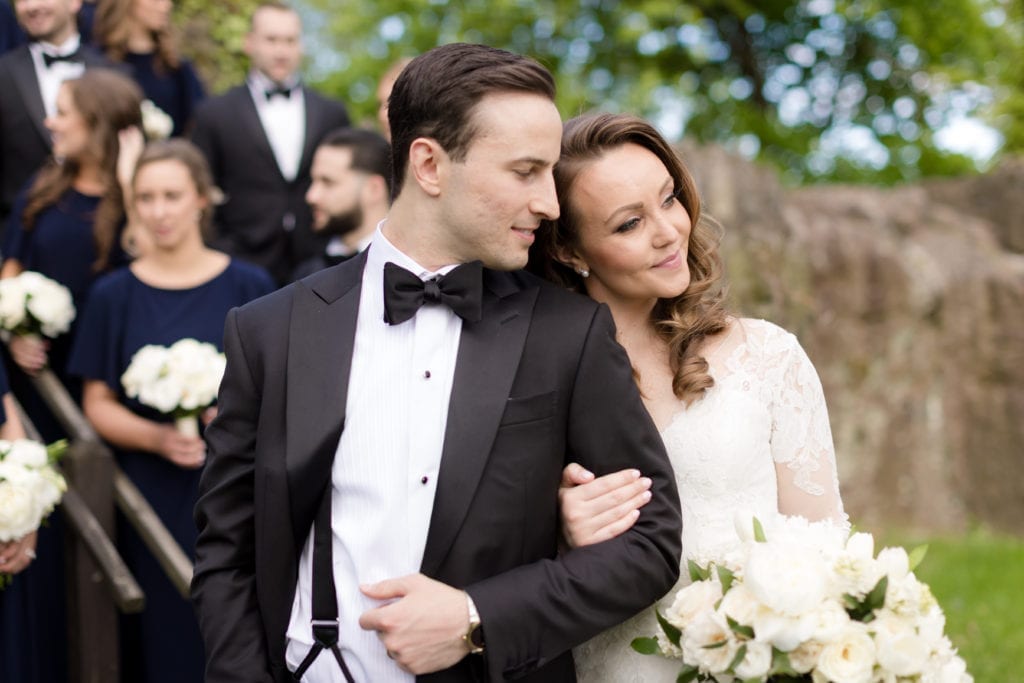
{"x":423,"y":627}
{"x":593,"y":510}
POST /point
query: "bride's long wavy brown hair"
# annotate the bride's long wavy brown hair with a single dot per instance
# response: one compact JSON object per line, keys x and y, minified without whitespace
{"x":683,"y":321}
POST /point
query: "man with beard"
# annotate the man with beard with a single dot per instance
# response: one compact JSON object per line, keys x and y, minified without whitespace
{"x":349,"y":194}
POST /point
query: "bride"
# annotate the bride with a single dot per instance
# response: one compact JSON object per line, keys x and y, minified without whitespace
{"x":737,"y":401}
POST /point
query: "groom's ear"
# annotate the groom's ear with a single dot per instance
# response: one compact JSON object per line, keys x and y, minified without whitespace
{"x":427,"y":165}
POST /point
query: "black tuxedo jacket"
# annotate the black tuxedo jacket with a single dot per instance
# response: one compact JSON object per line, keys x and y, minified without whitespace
{"x":24,"y":141}
{"x":264,"y":218}
{"x":539,"y":381}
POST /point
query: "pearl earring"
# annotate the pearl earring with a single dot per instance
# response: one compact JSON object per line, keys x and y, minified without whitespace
{"x":584,"y":273}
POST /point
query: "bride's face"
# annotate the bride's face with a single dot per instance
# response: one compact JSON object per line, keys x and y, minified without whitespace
{"x":633,"y":231}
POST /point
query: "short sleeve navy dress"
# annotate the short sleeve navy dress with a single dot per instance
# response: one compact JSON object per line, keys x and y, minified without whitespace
{"x":175,"y":91}
{"x":124,"y":314}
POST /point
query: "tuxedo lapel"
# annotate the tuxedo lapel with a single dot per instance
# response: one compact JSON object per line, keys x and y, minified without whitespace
{"x":489,"y":354}
{"x":253,"y":129}
{"x":322,"y":335}
{"x":24,"y":72}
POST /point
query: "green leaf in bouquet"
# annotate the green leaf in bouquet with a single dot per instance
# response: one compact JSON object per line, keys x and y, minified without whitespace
{"x":715,"y":646}
{"x":688,"y":674}
{"x":671,"y":632}
{"x":781,"y":665}
{"x":917,"y":556}
{"x":739,"y":629}
{"x":851,"y":602}
{"x":759,"y":531}
{"x":697,"y":573}
{"x":645,"y":646}
{"x":738,"y":659}
{"x":863,"y":610}
{"x":56,"y":450}
{"x":726,"y":577}
{"x":876,"y":598}
{"x":5,"y":580}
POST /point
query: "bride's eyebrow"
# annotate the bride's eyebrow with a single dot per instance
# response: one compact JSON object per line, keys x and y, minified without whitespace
{"x":636,"y":206}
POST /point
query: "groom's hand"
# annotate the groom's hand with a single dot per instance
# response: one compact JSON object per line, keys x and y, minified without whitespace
{"x":423,"y":628}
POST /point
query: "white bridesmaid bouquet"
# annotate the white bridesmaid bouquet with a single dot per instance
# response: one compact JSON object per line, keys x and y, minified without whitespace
{"x":33,"y":304}
{"x":800,"y":602}
{"x":30,"y":487}
{"x":179,"y":380}
{"x":156,"y":123}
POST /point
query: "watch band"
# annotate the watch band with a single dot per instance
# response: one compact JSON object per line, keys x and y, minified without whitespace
{"x":474,"y":636}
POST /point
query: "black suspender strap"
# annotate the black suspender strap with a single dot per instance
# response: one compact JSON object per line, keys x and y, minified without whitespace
{"x":325,"y":605}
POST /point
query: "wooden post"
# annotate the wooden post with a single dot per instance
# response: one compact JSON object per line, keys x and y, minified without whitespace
{"x":94,"y":655}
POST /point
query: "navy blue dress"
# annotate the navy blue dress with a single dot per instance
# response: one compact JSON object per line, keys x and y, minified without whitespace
{"x":124,"y":314}
{"x":176,"y":91}
{"x":32,"y":610}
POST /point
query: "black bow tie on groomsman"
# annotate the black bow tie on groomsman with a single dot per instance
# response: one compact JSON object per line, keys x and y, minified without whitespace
{"x":49,"y":60}
{"x":461,"y":290}
{"x":278,"y":90}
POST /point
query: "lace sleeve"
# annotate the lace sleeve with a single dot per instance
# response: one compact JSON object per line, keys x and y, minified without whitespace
{"x":801,"y":441}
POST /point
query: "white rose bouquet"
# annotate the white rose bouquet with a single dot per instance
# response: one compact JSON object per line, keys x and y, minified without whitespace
{"x":156,"y":123}
{"x":33,"y":304}
{"x":30,"y":487}
{"x":800,"y":603}
{"x":180,"y":380}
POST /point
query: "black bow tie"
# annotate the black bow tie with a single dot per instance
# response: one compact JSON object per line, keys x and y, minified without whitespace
{"x":49,"y":59}
{"x":461,"y":290}
{"x":278,"y":90}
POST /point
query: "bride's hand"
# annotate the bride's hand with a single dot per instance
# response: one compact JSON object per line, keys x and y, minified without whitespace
{"x":595,"y":510}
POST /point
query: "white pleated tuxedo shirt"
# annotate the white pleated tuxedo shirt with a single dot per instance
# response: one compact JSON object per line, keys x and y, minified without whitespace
{"x":284,"y":121}
{"x":51,"y":77}
{"x":385,"y":470}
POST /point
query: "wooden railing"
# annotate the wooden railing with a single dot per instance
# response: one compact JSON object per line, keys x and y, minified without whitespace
{"x":95,"y":485}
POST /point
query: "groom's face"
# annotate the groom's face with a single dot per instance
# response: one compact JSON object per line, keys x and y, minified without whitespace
{"x":494,"y":199}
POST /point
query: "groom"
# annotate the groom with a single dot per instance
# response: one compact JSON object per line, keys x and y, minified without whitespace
{"x":419,"y":408}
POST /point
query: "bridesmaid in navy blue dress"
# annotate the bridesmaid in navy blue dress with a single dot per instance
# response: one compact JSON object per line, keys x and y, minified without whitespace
{"x":66,"y":226}
{"x":178,"y":288}
{"x":138,"y":33}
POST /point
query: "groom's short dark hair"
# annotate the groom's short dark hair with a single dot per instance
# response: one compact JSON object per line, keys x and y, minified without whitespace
{"x":435,"y":95}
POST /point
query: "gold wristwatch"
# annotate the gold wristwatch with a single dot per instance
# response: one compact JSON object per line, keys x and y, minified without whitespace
{"x":474,"y":635}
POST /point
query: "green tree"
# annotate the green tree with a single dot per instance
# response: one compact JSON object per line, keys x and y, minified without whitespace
{"x":824,"y":89}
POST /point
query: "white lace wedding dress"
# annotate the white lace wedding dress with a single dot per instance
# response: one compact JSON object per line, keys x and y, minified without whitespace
{"x":758,"y":442}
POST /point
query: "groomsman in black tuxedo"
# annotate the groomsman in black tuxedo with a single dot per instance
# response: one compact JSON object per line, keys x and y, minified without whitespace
{"x":30,"y":76}
{"x":349,"y":195}
{"x":259,"y":139}
{"x":380,"y":500}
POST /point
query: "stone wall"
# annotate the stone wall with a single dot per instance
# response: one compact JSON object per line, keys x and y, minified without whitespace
{"x":910,"y":302}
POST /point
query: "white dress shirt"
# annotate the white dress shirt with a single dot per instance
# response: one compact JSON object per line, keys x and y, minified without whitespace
{"x":283,"y":119}
{"x":385,"y":469}
{"x":50,"y":77}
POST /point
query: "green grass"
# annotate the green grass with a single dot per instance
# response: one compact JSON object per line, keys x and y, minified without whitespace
{"x":979,"y":581}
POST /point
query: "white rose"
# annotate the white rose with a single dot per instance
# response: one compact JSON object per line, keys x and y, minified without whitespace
{"x":850,"y":658}
{"x":156,"y":123}
{"x":899,"y":648}
{"x":909,"y":597}
{"x":830,"y":621}
{"x":756,"y":662}
{"x":27,"y":453}
{"x":805,"y":657}
{"x":709,"y":629}
{"x":932,"y":625}
{"x":740,"y":604}
{"x":12,"y":303}
{"x":18,"y":513}
{"x":52,"y":306}
{"x":164,"y":394}
{"x":693,"y":601}
{"x":855,"y":571}
{"x":783,"y":631}
{"x":788,"y":578}
{"x":949,"y":670}
{"x":894,"y":563}
{"x":148,"y":364}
